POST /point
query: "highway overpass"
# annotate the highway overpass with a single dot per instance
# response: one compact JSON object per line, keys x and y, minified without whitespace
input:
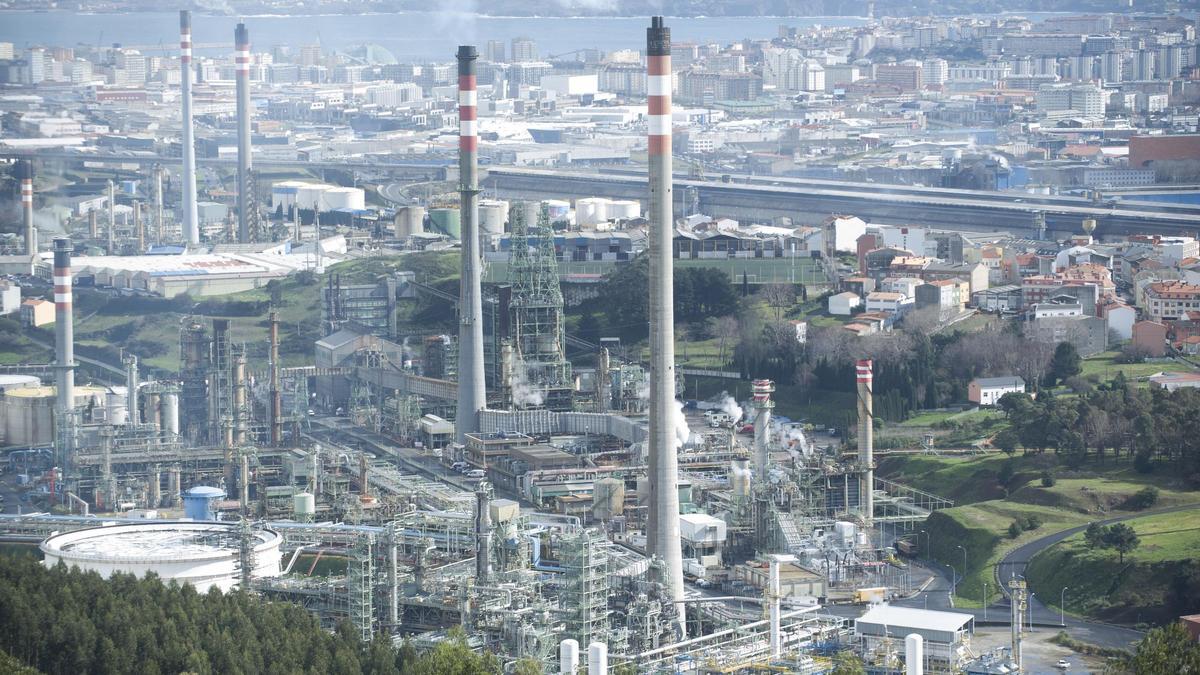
{"x":809,"y":201}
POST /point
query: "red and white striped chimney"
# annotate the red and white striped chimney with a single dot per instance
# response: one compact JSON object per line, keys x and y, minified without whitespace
{"x":25,"y":175}
{"x":64,"y":351}
{"x":472,"y":393}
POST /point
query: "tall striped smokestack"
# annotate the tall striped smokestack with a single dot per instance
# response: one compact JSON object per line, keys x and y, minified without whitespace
{"x":25,"y":175}
{"x":241,"y":38}
{"x":472,"y":396}
{"x":191,"y":217}
{"x":662,"y":529}
{"x":64,"y":349}
{"x":866,"y":439}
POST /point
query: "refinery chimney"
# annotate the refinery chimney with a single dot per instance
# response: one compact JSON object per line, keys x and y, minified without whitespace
{"x":761,"y":397}
{"x":866,"y":440}
{"x":191,"y":218}
{"x":64,"y":353}
{"x":25,"y":175}
{"x":241,"y":38}
{"x":472,"y":396}
{"x":662,"y":527}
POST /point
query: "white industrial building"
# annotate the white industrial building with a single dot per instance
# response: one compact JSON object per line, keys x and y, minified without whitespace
{"x":946,"y":635}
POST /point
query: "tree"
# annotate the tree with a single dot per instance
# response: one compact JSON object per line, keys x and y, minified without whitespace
{"x":779,"y":297}
{"x":1007,"y":440}
{"x":1122,"y":538}
{"x":847,"y":663}
{"x":1014,"y":530}
{"x":1048,"y":479}
{"x":1169,"y":649}
{"x":1093,"y":536}
{"x":1066,"y":363}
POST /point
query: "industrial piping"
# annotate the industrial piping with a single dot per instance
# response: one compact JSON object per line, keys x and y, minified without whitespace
{"x":662,"y":528}
{"x":191,"y":218}
{"x":472,"y":396}
{"x":64,"y":353}
{"x":25,"y":175}
{"x":241,"y":38}
{"x":276,"y":406}
{"x":866,"y":440}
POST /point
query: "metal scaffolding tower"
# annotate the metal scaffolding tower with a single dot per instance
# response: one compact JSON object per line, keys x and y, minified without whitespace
{"x":541,"y":373}
{"x":360,"y":582}
{"x":585,"y":591}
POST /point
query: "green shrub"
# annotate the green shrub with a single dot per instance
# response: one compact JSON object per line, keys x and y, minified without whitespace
{"x":1014,"y":530}
{"x":1142,"y":499}
{"x":1048,"y":479}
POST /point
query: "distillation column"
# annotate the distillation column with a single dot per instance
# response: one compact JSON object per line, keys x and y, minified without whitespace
{"x":191,"y":217}
{"x":472,"y":396}
{"x":662,"y":529}
{"x":866,"y":441}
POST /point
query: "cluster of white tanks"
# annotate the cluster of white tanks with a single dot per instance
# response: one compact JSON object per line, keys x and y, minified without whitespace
{"x":597,"y":210}
{"x":205,"y":555}
{"x":27,"y":409}
{"x":318,"y":196}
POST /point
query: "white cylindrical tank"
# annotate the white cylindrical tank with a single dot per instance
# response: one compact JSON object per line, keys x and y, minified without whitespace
{"x":568,"y":657}
{"x":624,"y":209}
{"x":28,"y":412}
{"x":308,"y":195}
{"x":205,"y":555}
{"x":8,"y":382}
{"x":531,"y":210}
{"x":343,"y":198}
{"x":283,"y":194}
{"x":304,"y":505}
{"x":170,"y":412}
{"x":597,"y":659}
{"x":410,"y":220}
{"x":591,"y":211}
{"x":493,"y":214}
{"x":914,"y":655}
{"x":116,"y":406}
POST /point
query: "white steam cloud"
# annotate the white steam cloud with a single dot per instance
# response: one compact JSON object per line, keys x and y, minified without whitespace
{"x":730,"y":407}
{"x":525,"y":394}
{"x":682,"y":431}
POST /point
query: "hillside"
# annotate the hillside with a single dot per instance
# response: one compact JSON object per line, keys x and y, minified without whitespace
{"x":985,"y":509}
{"x":1153,"y":585}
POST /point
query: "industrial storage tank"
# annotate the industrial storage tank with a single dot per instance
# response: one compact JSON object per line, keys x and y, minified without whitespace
{"x":410,"y":220}
{"x":624,"y":209}
{"x":283,"y":194}
{"x":591,"y":211}
{"x":304,"y":506}
{"x":493,"y":214}
{"x":205,"y":555}
{"x":446,"y":221}
{"x":343,"y":198}
{"x":14,"y":382}
{"x":116,"y":405}
{"x":199,"y":503}
{"x":28,"y":412}
{"x":309,"y":195}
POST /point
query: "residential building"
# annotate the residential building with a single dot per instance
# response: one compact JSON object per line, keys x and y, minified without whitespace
{"x":903,"y":77}
{"x":1080,"y":99}
{"x":989,"y":390}
{"x":1150,"y":338}
{"x":944,"y":294}
{"x":882,"y":301}
{"x":1053,"y":323}
{"x":1005,"y":298}
{"x":523,"y":49}
{"x":1120,"y":318}
{"x":844,"y":304}
{"x":1169,"y":300}
{"x":36,"y":312}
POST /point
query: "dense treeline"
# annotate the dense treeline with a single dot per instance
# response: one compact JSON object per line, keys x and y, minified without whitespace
{"x":66,"y":621}
{"x":701,"y":293}
{"x":915,"y":368}
{"x":1151,"y":427}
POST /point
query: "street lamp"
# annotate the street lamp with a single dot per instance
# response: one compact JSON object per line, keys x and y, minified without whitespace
{"x":953,"y":579}
{"x":1031,"y":611}
{"x":985,"y":600}
{"x":1062,"y":606}
{"x":960,"y":547}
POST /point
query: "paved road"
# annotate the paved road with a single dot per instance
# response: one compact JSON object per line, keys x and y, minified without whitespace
{"x":1016,"y":561}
